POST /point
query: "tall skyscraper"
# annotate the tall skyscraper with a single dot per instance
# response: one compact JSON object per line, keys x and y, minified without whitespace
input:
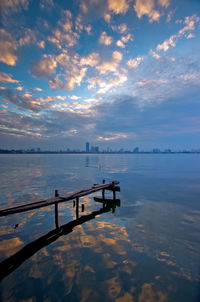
{"x":87,"y":147}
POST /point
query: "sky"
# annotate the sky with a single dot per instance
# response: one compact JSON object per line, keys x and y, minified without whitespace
{"x":115,"y":73}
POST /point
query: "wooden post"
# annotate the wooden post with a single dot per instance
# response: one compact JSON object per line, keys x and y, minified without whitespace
{"x":83,"y":207}
{"x":103,"y":191}
{"x":114,"y":194}
{"x":56,"y":209}
{"x":77,"y":207}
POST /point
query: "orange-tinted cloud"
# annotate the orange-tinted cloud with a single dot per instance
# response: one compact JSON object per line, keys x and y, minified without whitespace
{"x":45,"y":67}
{"x":7,"y":78}
{"x":8,"y":48}
{"x":105,"y":39}
{"x":118,"y":6}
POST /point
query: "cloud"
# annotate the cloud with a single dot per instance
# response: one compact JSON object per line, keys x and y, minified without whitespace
{"x":134,"y":63}
{"x":7,"y":78}
{"x":46,"y":4}
{"x":105,"y":39}
{"x":155,"y":54}
{"x":110,"y":84}
{"x":122,"y":28}
{"x":20,"y":88}
{"x":8,"y":48}
{"x":45,"y":67}
{"x":112,"y":64}
{"x":186,"y":31}
{"x":107,"y":17}
{"x":124,"y":39}
{"x":112,"y":137}
{"x":38,"y":89}
{"x":64,"y":35}
{"x":25,"y":101}
{"x":118,"y":6}
{"x":29,"y":37}
{"x":164,"y":3}
{"x":146,"y":7}
{"x":91,"y":60}
{"x":8,"y":7}
{"x":88,"y":28}
{"x":119,"y":43}
{"x":75,"y":78}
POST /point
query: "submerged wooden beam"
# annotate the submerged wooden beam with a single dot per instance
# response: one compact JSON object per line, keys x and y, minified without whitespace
{"x":46,"y":202}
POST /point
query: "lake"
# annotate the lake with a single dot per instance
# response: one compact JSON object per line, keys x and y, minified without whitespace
{"x":146,"y":249}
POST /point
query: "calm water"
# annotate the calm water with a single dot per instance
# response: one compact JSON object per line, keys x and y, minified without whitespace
{"x":145,"y":250}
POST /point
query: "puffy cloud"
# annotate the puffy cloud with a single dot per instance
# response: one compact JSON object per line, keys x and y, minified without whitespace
{"x":45,"y":67}
{"x":20,"y":88}
{"x":134,"y":63}
{"x":109,"y":84}
{"x":118,"y":6}
{"x":88,"y":28}
{"x":190,"y":22}
{"x":146,"y":7}
{"x":164,"y":3}
{"x":9,"y":6}
{"x":105,"y":39}
{"x":25,"y":101}
{"x":107,"y":17}
{"x":91,"y":60}
{"x":75,"y":78}
{"x":61,"y":38}
{"x":119,"y":43}
{"x":117,"y":56}
{"x":112,"y":64}
{"x":63,"y":35}
{"x":155,"y":54}
{"x":44,"y":4}
{"x":7,"y":78}
{"x":8,"y":48}
{"x":171,"y":42}
{"x":29,"y":37}
{"x":124,"y":39}
{"x":63,"y":59}
{"x":122,"y":28}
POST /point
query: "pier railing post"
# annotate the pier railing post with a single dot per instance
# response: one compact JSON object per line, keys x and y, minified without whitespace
{"x":103,"y":191}
{"x":77,"y":207}
{"x":56,"y":209}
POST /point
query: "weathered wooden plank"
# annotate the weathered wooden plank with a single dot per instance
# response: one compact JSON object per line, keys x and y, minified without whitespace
{"x":46,"y":202}
{"x":108,"y":201}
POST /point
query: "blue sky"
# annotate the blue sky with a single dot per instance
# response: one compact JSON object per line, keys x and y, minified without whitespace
{"x":116,"y":73}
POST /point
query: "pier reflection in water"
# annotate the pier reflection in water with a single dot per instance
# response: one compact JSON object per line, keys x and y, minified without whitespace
{"x":148,"y":250}
{"x":10,"y":264}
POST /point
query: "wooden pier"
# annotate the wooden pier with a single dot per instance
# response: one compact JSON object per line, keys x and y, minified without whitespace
{"x":11,"y":263}
{"x":18,"y":208}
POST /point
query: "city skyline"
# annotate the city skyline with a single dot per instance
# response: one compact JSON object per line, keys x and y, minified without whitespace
{"x":115,"y":73}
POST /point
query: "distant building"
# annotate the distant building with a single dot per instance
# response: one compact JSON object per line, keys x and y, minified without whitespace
{"x":156,"y":150}
{"x":136,"y":150}
{"x":94,"y":149}
{"x":168,"y":150}
{"x":87,"y":147}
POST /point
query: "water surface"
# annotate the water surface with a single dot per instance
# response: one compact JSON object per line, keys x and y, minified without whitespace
{"x":145,"y":250}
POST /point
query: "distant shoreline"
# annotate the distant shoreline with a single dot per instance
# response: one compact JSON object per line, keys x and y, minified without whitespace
{"x":96,"y":153}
